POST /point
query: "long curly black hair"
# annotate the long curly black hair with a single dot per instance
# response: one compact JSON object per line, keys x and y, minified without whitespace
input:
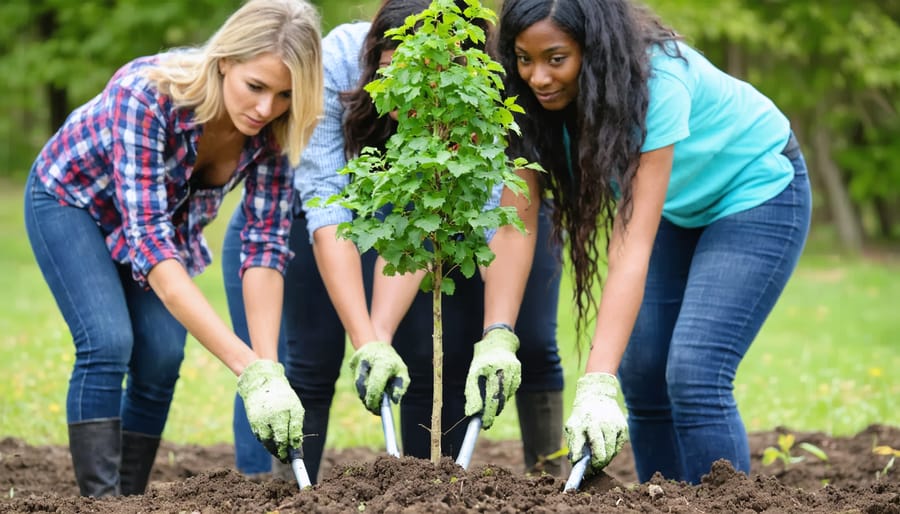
{"x":606,"y":123}
{"x":362,"y":125}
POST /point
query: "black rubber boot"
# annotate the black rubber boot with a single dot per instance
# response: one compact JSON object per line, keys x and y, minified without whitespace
{"x":138,"y":454}
{"x":541,"y":424}
{"x":96,"y":448}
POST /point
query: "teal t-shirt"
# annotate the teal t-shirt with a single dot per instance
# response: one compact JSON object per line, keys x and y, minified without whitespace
{"x":728,"y":139}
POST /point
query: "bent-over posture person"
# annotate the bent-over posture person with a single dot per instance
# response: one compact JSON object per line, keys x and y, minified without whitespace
{"x":115,"y":207}
{"x":691,"y":186}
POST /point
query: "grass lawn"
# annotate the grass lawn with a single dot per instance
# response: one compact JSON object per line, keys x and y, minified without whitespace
{"x":828,"y":358}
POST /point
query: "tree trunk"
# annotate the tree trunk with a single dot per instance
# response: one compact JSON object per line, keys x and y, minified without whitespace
{"x":437,"y":394}
{"x":845,"y":219}
{"x":800,"y":123}
{"x":735,"y":62}
{"x":57,"y":97}
{"x":58,"y":100}
{"x":887,"y":214}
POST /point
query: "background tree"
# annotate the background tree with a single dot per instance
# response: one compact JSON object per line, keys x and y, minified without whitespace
{"x":834,"y":68}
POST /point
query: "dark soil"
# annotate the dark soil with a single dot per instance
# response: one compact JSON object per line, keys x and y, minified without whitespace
{"x":194,"y":479}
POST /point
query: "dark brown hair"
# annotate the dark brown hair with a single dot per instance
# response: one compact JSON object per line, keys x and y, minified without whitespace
{"x":606,"y":123}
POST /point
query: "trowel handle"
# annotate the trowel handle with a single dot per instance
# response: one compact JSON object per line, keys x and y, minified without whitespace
{"x":299,"y":468}
{"x":468,"y":444}
{"x":578,"y":470}
{"x":387,"y":424}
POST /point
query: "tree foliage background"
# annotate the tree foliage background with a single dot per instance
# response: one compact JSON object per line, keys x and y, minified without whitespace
{"x":833,"y":67}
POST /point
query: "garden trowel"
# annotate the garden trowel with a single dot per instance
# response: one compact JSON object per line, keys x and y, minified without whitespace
{"x":468,"y":444}
{"x":578,"y":470}
{"x":387,"y":424}
{"x":299,"y":469}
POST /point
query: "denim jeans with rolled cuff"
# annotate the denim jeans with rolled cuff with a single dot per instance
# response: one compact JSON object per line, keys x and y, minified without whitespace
{"x":119,"y":328}
{"x":709,"y":290}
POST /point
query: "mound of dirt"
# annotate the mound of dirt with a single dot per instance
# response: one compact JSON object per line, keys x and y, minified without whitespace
{"x":201,"y":479}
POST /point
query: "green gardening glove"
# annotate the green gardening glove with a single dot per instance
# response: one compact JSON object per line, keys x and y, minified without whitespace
{"x":273,"y":408}
{"x":596,"y":420}
{"x":378,"y":369}
{"x":494,"y":375}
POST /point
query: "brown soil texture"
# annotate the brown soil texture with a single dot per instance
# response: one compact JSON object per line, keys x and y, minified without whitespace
{"x":200,"y":479}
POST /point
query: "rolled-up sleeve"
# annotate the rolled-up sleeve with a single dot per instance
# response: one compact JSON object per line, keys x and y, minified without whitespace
{"x":267,"y":200}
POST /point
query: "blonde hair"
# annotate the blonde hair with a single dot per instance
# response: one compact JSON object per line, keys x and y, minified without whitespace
{"x":287,"y":28}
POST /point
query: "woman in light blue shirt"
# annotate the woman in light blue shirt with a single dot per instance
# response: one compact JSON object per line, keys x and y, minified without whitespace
{"x":693,"y":183}
{"x":313,"y":328}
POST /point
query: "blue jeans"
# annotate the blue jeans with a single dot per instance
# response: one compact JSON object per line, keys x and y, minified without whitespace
{"x":315,"y":345}
{"x":708,"y":292}
{"x":119,"y":328}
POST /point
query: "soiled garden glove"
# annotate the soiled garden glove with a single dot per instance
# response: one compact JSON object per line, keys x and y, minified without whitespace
{"x":494,"y":375}
{"x":596,"y":420}
{"x":378,"y":369}
{"x":273,"y":408}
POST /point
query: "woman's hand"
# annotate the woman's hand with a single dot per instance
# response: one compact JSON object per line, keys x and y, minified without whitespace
{"x":596,"y":420}
{"x":494,"y":375}
{"x":273,"y":408}
{"x":378,"y":368}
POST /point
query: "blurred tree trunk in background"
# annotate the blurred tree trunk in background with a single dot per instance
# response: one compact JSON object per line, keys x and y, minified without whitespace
{"x":57,"y":96}
{"x":845,"y":218}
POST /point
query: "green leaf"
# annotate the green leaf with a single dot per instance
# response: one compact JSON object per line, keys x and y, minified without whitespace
{"x":457,"y":169}
{"x":448,"y":286}
{"x":814,"y":450}
{"x":467,"y":268}
{"x":428,"y":222}
{"x":433,"y":201}
{"x":770,"y":455}
{"x":786,"y":442}
{"x":427,"y":282}
{"x":484,"y":255}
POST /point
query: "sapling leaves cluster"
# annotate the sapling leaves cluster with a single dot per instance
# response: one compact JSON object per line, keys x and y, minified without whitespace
{"x":448,"y":155}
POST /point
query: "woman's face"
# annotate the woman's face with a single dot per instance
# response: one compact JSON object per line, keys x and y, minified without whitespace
{"x":549,"y":61}
{"x":256,"y":91}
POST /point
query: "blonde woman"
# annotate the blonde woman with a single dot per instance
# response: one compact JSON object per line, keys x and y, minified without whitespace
{"x":115,"y":206}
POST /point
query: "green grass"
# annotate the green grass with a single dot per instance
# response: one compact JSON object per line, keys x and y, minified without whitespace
{"x":827,"y":359}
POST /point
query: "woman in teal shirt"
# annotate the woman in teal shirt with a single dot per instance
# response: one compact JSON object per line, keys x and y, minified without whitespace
{"x":693,"y":182}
